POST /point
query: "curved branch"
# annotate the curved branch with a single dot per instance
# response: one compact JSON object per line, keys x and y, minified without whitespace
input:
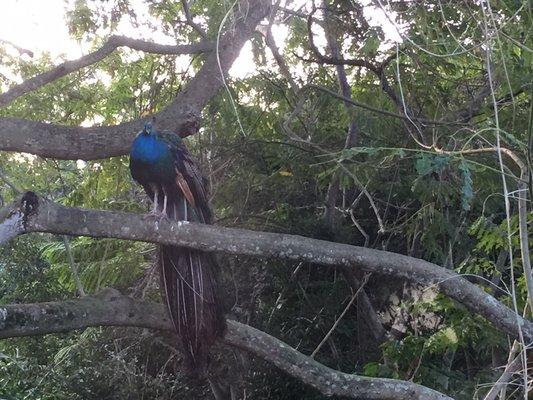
{"x":373,"y":109}
{"x":108,"y":47}
{"x":377,"y":69}
{"x":181,"y":115}
{"x":190,"y":20}
{"x":34,"y":214}
{"x":20,"y":50}
{"x":110,"y":308}
{"x":335,"y":60}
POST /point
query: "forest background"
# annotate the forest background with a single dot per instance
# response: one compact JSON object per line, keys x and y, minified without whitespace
{"x":399,"y":126}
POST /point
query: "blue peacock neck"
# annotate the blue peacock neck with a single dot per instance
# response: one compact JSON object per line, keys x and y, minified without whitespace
{"x":148,"y":148}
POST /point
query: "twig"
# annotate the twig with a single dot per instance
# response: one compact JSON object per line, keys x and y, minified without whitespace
{"x":8,"y":182}
{"x":190,"y":20}
{"x":485,"y":7}
{"x":73,"y":266}
{"x":21,"y":50}
{"x":378,"y":110}
{"x":363,"y":282}
{"x":368,"y":196}
{"x":359,"y":228}
{"x":504,"y":379}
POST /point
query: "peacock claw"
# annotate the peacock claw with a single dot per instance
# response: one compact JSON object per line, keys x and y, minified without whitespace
{"x":155,"y":214}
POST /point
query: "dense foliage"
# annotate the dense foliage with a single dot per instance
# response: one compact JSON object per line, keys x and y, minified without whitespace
{"x":418,"y":182}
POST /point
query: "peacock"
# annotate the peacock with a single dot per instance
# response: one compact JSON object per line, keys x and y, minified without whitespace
{"x":161,"y":163}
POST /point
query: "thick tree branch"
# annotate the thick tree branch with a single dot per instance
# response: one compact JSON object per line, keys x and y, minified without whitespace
{"x":181,"y":115}
{"x":108,"y":47}
{"x":34,"y":214}
{"x":346,"y":92}
{"x":110,"y":308}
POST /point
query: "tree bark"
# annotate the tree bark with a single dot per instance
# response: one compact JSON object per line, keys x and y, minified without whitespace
{"x":182,"y":115}
{"x":110,"y":308}
{"x":34,"y":214}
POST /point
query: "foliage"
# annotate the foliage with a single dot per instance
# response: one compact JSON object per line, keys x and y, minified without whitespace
{"x":438,"y":196}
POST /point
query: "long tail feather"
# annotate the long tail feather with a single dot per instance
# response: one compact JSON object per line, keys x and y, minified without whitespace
{"x":189,"y":278}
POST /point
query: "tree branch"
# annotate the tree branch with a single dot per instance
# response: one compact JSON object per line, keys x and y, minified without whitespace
{"x":181,"y":115}
{"x":298,"y":13}
{"x":34,"y":214}
{"x":20,"y":50}
{"x":377,"y":69}
{"x":510,"y":369}
{"x":108,"y":47}
{"x":110,"y":308}
{"x":378,"y":110}
{"x":346,"y":93}
{"x":334,"y":59}
{"x":332,"y":194}
{"x":190,"y":20}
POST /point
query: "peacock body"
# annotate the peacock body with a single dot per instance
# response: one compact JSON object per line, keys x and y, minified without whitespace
{"x":161,"y":163}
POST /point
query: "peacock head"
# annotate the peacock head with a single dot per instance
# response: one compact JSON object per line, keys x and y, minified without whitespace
{"x":148,"y":128}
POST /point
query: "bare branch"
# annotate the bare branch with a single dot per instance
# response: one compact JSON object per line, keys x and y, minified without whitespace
{"x":340,"y":317}
{"x":377,"y":110}
{"x":471,"y":109}
{"x":181,"y":115}
{"x":335,"y":59}
{"x":377,"y":69}
{"x":284,"y":69}
{"x":352,"y":135}
{"x":110,"y":308}
{"x":474,"y":107}
{"x":190,"y":20}
{"x":34,"y":214}
{"x":510,"y":369}
{"x":20,"y":50}
{"x":109,"y":46}
{"x":346,"y":92}
{"x":298,"y":13}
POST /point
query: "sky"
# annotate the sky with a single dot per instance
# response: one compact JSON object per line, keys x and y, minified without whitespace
{"x":39,"y":26}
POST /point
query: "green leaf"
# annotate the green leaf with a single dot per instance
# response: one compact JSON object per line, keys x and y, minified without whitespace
{"x":371,"y":45}
{"x":423,"y":165}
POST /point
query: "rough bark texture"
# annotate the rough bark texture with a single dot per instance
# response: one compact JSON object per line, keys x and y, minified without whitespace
{"x":181,"y":115}
{"x":110,"y":308}
{"x":34,"y":214}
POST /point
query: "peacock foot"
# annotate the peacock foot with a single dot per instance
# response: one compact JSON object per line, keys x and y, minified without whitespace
{"x":155,"y":214}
